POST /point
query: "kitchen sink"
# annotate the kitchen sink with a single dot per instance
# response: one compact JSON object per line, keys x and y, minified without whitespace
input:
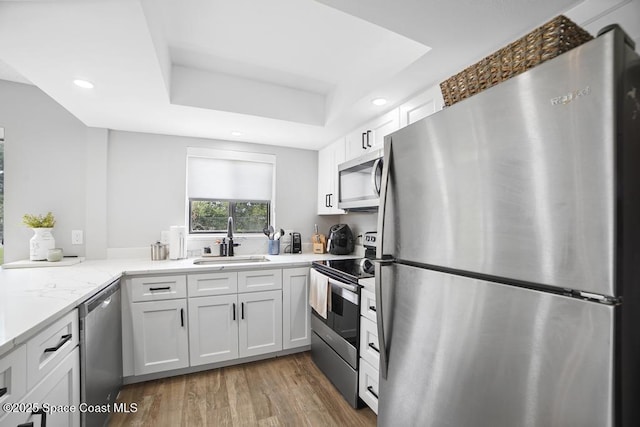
{"x":230,"y":260}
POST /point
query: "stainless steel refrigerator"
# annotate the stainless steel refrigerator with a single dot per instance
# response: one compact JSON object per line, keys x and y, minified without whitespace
{"x":509,"y":287}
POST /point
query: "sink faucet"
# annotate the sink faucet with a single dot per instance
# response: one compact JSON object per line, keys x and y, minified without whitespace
{"x":230,"y":228}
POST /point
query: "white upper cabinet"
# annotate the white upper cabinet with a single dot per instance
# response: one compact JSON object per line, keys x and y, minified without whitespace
{"x":371,"y":136}
{"x":328,"y":160}
{"x":421,"y":106}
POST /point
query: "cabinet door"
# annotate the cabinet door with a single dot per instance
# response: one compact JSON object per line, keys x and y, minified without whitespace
{"x":421,"y":106}
{"x":213,"y":329}
{"x":59,"y":388}
{"x":13,"y":376}
{"x":296,"y":311}
{"x":383,"y":126}
{"x":328,"y":160}
{"x":371,"y":136}
{"x":368,"y":385}
{"x":260,"y":322}
{"x":160,"y":337}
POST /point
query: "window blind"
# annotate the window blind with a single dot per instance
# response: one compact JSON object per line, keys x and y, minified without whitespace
{"x":229,"y":179}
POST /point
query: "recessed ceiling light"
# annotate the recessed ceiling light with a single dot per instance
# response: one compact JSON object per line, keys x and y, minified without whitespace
{"x":236,"y":133}
{"x":379,"y":101}
{"x":83,"y":84}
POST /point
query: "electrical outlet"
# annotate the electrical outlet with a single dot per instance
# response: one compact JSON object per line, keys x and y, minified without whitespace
{"x":76,"y":237}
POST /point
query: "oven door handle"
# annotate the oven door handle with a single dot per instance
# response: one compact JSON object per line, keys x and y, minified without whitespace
{"x":352,"y":288}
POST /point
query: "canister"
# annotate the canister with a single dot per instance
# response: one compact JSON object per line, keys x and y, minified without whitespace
{"x":158,"y":251}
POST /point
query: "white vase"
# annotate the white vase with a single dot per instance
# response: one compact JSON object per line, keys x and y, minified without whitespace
{"x":40,"y":244}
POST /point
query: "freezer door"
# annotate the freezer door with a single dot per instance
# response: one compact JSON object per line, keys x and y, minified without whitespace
{"x":464,"y":352}
{"x":514,"y":182}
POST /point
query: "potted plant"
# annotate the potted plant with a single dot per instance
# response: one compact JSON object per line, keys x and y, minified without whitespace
{"x":42,"y":239}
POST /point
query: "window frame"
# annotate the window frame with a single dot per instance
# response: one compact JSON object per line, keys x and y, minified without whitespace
{"x":231,"y":213}
{"x":225,"y":154}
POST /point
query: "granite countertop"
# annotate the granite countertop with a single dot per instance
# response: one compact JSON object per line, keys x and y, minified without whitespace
{"x":31,"y":298}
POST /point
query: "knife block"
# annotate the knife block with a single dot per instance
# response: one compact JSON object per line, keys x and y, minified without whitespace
{"x":319,"y":243}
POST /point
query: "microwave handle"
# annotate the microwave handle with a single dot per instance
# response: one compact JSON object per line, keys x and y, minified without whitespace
{"x":377,"y":165}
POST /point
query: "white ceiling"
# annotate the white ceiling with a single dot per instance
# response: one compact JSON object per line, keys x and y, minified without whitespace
{"x":297,"y":73}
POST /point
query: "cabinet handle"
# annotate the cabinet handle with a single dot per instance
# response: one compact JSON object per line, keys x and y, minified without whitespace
{"x":372,"y":308}
{"x":43,"y":420}
{"x":364,"y":147}
{"x":326,"y":200}
{"x":330,"y":205}
{"x":234,"y":311}
{"x":63,"y":341}
{"x":376,"y":349}
{"x":242,"y":310}
{"x":182,"y":317}
{"x":370,"y":390}
{"x":164,"y":288}
{"x":3,"y":391}
{"x":368,"y":134}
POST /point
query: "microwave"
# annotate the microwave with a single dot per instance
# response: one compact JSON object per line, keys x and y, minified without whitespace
{"x":359,"y":182}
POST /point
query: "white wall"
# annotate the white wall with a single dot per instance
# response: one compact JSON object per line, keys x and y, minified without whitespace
{"x":44,"y":167}
{"x":146,"y":185}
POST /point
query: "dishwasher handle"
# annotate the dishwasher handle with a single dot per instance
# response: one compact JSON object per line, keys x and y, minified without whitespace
{"x":99,"y":299}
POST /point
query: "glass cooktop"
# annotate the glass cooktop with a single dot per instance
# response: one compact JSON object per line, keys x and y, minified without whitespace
{"x":352,"y":269}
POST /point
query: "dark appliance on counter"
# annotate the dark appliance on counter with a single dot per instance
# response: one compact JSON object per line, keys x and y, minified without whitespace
{"x":335,"y":339}
{"x":341,"y":241}
{"x":296,"y":243}
{"x":514,"y":300}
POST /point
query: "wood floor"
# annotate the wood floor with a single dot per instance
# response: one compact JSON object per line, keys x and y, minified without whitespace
{"x":285,"y":391}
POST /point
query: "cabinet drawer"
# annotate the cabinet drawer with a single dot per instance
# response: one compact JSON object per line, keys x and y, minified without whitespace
{"x":368,"y":305}
{"x":259,"y":280}
{"x":368,"y":385}
{"x":13,"y":376}
{"x":369,"y":348}
{"x":158,"y":288}
{"x":210,"y":284}
{"x":50,"y":346}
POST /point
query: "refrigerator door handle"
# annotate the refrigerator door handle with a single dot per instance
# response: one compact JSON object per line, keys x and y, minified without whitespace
{"x":384,"y":182}
{"x":374,"y":175}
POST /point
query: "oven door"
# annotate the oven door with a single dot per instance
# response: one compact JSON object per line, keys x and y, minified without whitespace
{"x":340,"y":328}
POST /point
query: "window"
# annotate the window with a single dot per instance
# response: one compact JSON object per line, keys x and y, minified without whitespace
{"x":211,"y":216}
{"x":223,"y":184}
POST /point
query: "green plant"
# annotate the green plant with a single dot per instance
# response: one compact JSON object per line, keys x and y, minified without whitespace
{"x":39,"y":221}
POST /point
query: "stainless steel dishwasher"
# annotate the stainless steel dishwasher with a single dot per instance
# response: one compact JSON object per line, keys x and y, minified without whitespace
{"x":100,"y":352}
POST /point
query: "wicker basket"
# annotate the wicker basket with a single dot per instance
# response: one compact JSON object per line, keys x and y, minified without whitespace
{"x":548,"y":41}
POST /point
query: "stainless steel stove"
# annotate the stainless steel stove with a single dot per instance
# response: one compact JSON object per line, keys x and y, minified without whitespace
{"x":335,"y":339}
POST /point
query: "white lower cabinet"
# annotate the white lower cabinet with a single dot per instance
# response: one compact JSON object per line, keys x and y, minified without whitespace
{"x":368,"y":385}
{"x":260,"y":322}
{"x":369,"y":347}
{"x":160,"y":337}
{"x":225,"y":316}
{"x":58,"y":390}
{"x":213,"y":329}
{"x":296,"y":311}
